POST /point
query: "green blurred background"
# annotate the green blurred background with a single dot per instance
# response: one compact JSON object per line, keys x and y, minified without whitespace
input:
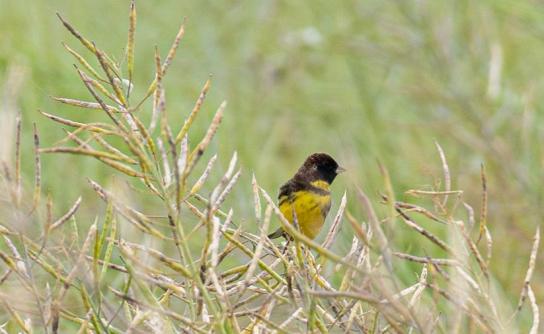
{"x":366,"y":81}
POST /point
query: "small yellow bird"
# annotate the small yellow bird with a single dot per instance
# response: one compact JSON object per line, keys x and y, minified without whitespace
{"x":308,"y":194}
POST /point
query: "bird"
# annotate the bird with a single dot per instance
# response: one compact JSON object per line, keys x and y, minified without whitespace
{"x":308,"y":194}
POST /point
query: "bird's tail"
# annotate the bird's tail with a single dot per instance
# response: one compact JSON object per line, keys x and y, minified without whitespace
{"x":276,"y":234}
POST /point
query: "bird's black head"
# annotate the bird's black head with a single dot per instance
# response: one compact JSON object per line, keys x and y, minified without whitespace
{"x":319,"y":166}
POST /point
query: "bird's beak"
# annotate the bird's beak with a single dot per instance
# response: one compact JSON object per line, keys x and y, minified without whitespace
{"x":340,"y":170}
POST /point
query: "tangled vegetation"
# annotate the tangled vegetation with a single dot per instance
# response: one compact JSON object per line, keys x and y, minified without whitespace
{"x":190,"y":266}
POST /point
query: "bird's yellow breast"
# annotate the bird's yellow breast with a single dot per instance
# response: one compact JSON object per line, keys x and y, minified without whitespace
{"x":310,"y":207}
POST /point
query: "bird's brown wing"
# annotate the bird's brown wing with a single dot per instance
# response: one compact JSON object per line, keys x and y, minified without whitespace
{"x":291,"y":187}
{"x":325,"y":210}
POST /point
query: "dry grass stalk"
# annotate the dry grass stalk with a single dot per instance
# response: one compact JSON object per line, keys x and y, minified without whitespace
{"x":329,"y":239}
{"x":189,"y":121}
{"x":534,"y":308}
{"x":130,"y":43}
{"x":434,"y":239}
{"x":446,"y":170}
{"x":83,"y":62}
{"x":483,"y":212}
{"x":83,"y":104}
{"x":530,"y":270}
{"x":57,"y":223}
{"x":38,"y":170}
